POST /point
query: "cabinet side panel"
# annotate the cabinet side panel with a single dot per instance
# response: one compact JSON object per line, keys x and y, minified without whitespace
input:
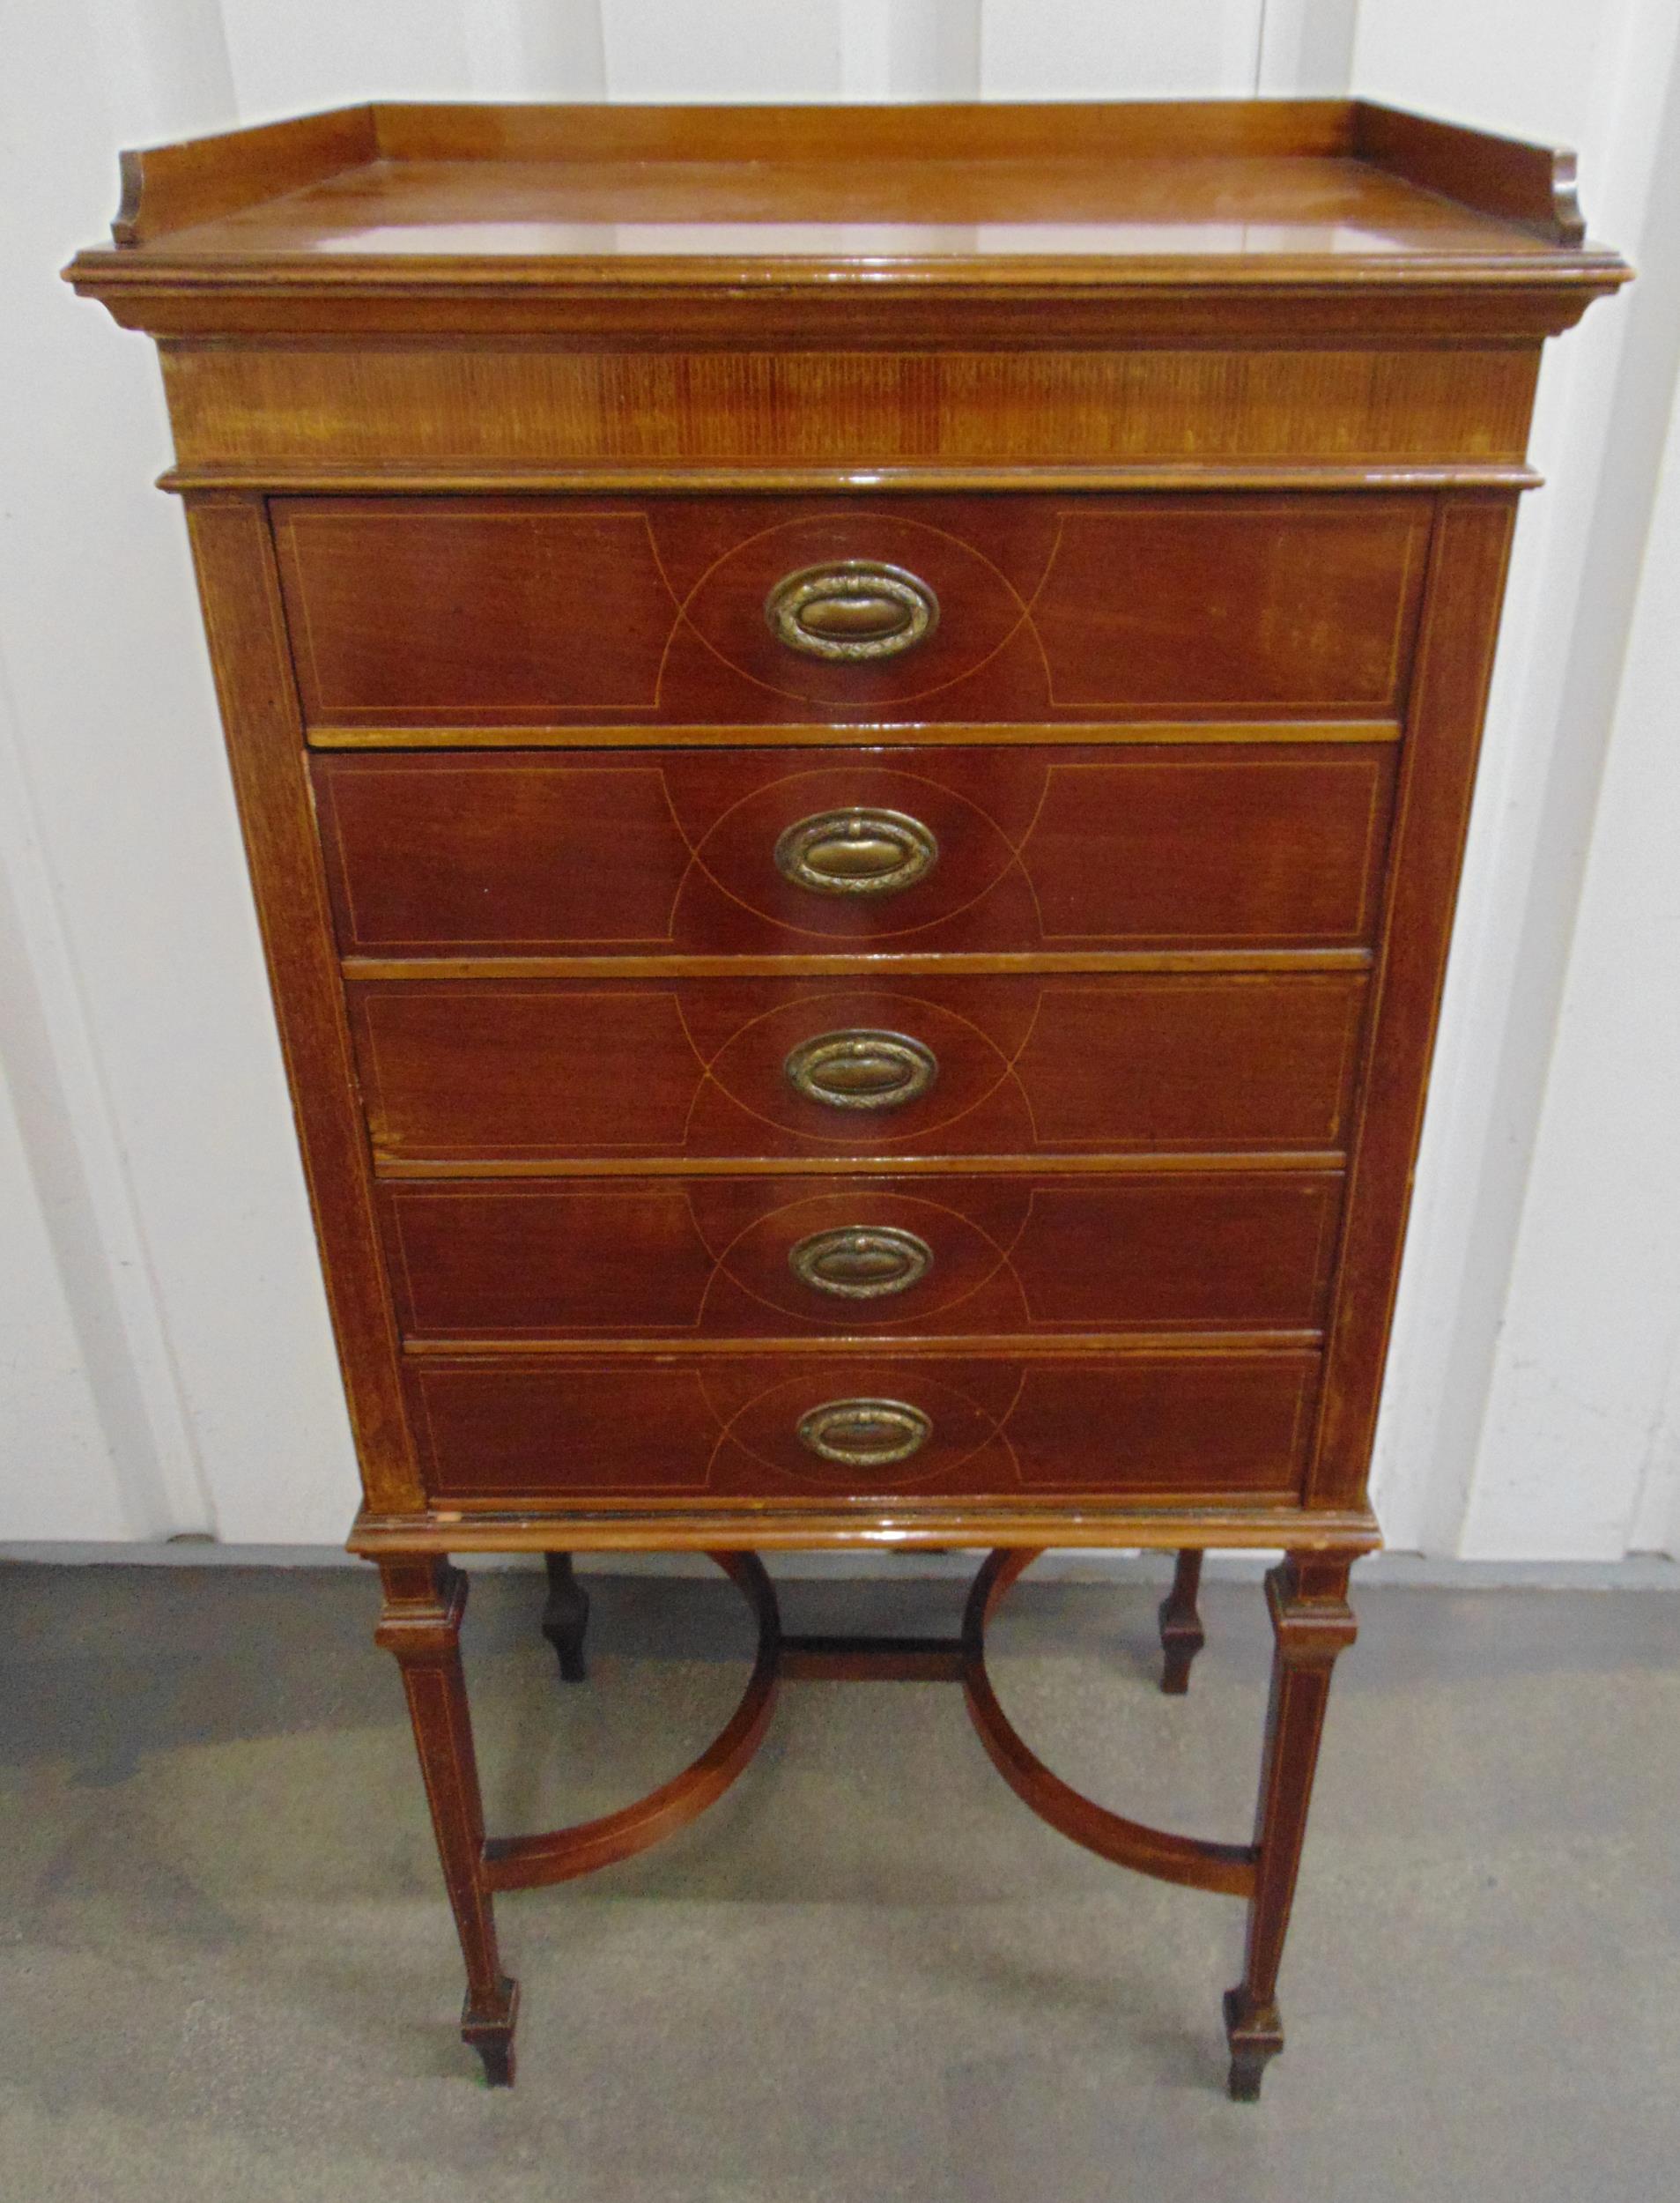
{"x":1438,"y":771}
{"x":233,"y":553}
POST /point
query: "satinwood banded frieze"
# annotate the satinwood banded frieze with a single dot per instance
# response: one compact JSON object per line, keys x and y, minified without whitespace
{"x":530,"y":406}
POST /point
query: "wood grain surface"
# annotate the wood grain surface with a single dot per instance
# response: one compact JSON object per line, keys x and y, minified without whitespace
{"x":499,"y":1070}
{"x":1301,"y":218}
{"x":598,"y":895}
{"x":502,"y":610}
{"x":674,"y":852}
{"x":1225,"y":1427}
{"x":235,"y":560}
{"x":411,"y":409}
{"x":668,"y":1259}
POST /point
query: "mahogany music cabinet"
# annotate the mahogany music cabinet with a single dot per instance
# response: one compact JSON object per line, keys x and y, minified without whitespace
{"x":853,"y":729}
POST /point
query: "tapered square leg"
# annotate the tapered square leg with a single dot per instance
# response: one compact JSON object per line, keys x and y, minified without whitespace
{"x":1181,"y":1637}
{"x":566,"y":1617}
{"x":1312,"y":1623}
{"x":421,"y":1623}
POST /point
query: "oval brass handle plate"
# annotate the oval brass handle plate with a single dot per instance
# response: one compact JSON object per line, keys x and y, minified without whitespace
{"x":861,"y":1261}
{"x":865,"y":1434}
{"x":862,"y":851}
{"x":861,"y":1068}
{"x":852,"y":610}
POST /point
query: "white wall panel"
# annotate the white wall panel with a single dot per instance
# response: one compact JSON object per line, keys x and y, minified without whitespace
{"x":162,"y":1251}
{"x":58,"y":1475}
{"x":864,"y":60}
{"x":1307,"y":47}
{"x":1602,"y":80}
{"x":1531,"y":67}
{"x":1656,"y":1524}
{"x":311,"y":54}
{"x":1582,"y":1434}
{"x":200,"y":1211}
{"x":535,"y":49}
{"x":163,"y":64}
{"x":734,"y":49}
{"x":936,"y":48}
{"x":93,"y":1439}
{"x":909,"y":49}
{"x":80,"y":1335}
{"x":1094,"y":49}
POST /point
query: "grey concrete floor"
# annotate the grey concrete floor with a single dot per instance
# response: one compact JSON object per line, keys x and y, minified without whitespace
{"x":227,"y":1970}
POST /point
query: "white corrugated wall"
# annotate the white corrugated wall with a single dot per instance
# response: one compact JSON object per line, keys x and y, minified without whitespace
{"x":165,"y":1365}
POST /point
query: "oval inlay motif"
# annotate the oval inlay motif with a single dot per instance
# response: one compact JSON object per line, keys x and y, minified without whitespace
{"x":860,"y":852}
{"x":979,"y":612}
{"x":865,"y":1434}
{"x":861,"y":1068}
{"x":851,"y":609}
{"x":861,"y":1261}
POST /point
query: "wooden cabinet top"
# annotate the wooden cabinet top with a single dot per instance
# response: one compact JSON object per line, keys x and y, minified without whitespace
{"x":1091,"y":223}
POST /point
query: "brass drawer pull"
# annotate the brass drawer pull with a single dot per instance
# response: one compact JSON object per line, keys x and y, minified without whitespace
{"x":861,"y":1261}
{"x":865,"y":1434}
{"x":861,"y":1068}
{"x":852,"y":609}
{"x":862,"y":851}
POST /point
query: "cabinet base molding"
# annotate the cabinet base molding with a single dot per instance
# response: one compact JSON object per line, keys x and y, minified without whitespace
{"x":753,"y":1526}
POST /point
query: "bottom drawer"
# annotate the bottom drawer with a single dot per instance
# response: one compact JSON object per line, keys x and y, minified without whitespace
{"x":1214,"y":1427}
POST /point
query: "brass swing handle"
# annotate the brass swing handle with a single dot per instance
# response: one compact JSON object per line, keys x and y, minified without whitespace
{"x":851,"y":610}
{"x":865,"y":1434}
{"x":861,"y":1068}
{"x":861,"y":850}
{"x":861,"y":1261}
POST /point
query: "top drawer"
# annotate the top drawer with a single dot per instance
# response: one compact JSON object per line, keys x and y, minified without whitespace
{"x":526,"y":611}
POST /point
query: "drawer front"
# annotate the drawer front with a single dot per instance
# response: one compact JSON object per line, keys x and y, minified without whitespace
{"x":416,"y":611}
{"x":1006,"y":850}
{"x":731,"y":1258}
{"x":502,"y":1070}
{"x":497,"y":1430}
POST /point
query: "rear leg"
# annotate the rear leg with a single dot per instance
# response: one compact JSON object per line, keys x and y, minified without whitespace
{"x":566,"y":1617}
{"x":1182,"y":1636}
